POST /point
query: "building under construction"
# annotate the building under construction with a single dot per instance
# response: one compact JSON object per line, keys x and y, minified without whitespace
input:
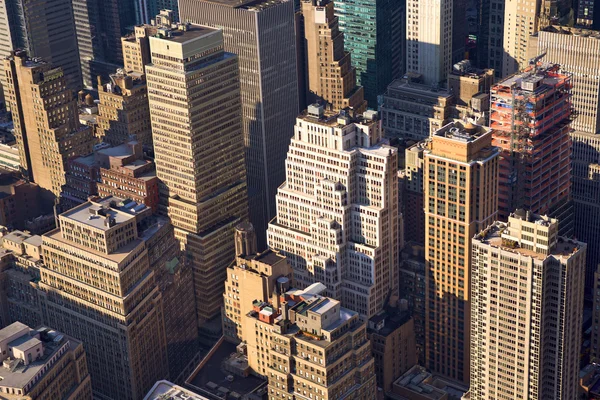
{"x":530,"y":118}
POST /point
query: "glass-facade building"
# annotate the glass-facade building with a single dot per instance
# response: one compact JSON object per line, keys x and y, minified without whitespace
{"x":375,"y":34}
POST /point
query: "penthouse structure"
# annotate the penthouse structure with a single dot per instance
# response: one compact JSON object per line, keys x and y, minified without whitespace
{"x":337,"y":212}
{"x":46,"y":136}
{"x":331,"y":76}
{"x":194,"y":96}
{"x":42,"y":364}
{"x":460,"y":186}
{"x":530,"y":118}
{"x":311,"y":347}
{"x":526,"y":318}
{"x":263,"y":36}
{"x":99,"y":284}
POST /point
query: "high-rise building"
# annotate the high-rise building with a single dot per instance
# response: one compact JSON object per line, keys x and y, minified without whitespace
{"x":414,"y":222}
{"x":331,"y":75}
{"x":521,"y":19}
{"x":460,"y":186}
{"x":490,"y":38}
{"x":44,"y":29}
{"x":578,"y":53}
{"x":375,"y":36}
{"x":412,"y":110}
{"x":99,"y":27}
{"x":412,"y":288}
{"x":46,"y":136}
{"x":99,"y":284}
{"x":586,"y":10}
{"x":309,"y":346}
{"x":42,"y":364}
{"x":337,"y":212}
{"x":466,"y":82}
{"x":262,"y":34}
{"x":530,"y":119}
{"x":194,"y":96}
{"x":252,"y":277}
{"x":20,"y":262}
{"x":429,"y":37}
{"x":526,"y":310}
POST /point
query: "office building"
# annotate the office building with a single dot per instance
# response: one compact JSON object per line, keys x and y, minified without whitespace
{"x":412,"y":289}
{"x":578,"y":53}
{"x":162,"y":389}
{"x":521,"y":20}
{"x":252,"y":277}
{"x":526,"y":310}
{"x":530,"y":119}
{"x":311,"y":347}
{"x":586,"y":10}
{"x":461,"y":190}
{"x":429,"y":38}
{"x":19,"y":201}
{"x":337,"y":212}
{"x":99,"y":285}
{"x":414,"y":216}
{"x":331,"y":75}
{"x":490,"y":37}
{"x":465,"y":82}
{"x":44,"y":29}
{"x":99,"y":26}
{"x":413,"y":110}
{"x":419,"y":384}
{"x":375,"y":36}
{"x":269,"y":88}
{"x":20,"y":262}
{"x":392,"y":337}
{"x":47,"y":136}
{"x":42,"y":364}
{"x":204,"y":199}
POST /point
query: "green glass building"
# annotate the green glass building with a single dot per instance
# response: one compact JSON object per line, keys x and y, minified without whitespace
{"x":374,"y":32}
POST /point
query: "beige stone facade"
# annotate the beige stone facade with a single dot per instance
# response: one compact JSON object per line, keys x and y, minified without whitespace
{"x":460,"y":184}
{"x":99,"y":285}
{"x":331,"y":76}
{"x":46,"y":122}
{"x":526,"y":310}
{"x":195,"y":108}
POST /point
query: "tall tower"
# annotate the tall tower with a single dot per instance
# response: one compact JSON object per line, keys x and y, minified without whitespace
{"x":194,"y":96}
{"x":521,"y":19}
{"x":44,"y":29}
{"x":375,"y":36}
{"x":460,"y":185}
{"x":579,"y":55}
{"x":46,"y":136}
{"x":337,"y":212}
{"x":530,"y":119}
{"x":99,"y":285}
{"x":526,"y":310}
{"x":331,"y":76}
{"x":262,"y":34}
{"x":490,"y":39}
{"x":429,"y":39}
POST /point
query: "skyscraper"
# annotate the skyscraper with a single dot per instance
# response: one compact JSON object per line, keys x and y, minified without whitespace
{"x":42,"y":28}
{"x":194,"y":96}
{"x":429,"y":39}
{"x":578,"y":54}
{"x":261,"y":33}
{"x":46,"y":136}
{"x":461,"y":184}
{"x":375,"y":36}
{"x":331,"y":75}
{"x":527,"y":308}
{"x":100,"y":24}
{"x":490,"y":39}
{"x":337,"y":212}
{"x":530,"y":119}
{"x":521,"y":20}
{"x":99,"y":286}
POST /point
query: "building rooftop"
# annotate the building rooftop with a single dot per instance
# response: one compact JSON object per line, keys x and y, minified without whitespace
{"x":406,"y":85}
{"x":462,"y":131}
{"x":165,"y":390}
{"x":17,"y":375}
{"x":96,"y":216}
{"x":316,"y":113}
{"x":254,"y":5}
{"x":212,"y":381}
{"x":183,"y":33}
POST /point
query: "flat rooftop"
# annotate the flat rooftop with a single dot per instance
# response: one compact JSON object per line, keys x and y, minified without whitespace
{"x":89,"y":214}
{"x":211,"y":374}
{"x":181,"y":36}
{"x":418,"y":88}
{"x":165,"y":390}
{"x":247,"y":4}
{"x":462,"y":132}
